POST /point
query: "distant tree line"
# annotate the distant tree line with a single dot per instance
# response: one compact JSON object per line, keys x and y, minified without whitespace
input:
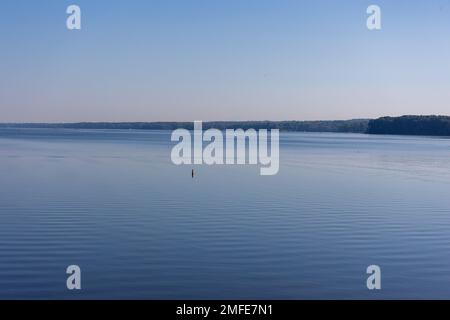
{"x":356,"y":126}
{"x":404,"y":125}
{"x":411,"y":125}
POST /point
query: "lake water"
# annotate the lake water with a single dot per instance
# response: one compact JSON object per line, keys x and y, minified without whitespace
{"x":140,"y":227}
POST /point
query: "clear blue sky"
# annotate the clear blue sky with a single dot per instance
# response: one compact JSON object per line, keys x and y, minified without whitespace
{"x":222,"y":60}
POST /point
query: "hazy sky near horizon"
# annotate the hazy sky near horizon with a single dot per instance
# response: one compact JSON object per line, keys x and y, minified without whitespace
{"x":184,"y":60}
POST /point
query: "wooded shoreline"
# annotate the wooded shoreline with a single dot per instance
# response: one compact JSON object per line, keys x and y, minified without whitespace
{"x":404,"y":125}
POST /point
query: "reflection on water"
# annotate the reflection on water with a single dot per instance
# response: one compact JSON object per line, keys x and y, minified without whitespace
{"x":139,"y":227}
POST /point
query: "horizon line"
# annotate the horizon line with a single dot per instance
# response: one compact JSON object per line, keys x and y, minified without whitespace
{"x":221,"y":121}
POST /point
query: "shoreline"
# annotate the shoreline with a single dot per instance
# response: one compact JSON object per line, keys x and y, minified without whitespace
{"x":409,"y":125}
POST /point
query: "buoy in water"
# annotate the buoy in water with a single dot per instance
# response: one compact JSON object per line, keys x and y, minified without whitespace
{"x":192,"y":173}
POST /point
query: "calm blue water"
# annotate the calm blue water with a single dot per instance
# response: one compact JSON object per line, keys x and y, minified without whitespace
{"x":140,"y":227}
